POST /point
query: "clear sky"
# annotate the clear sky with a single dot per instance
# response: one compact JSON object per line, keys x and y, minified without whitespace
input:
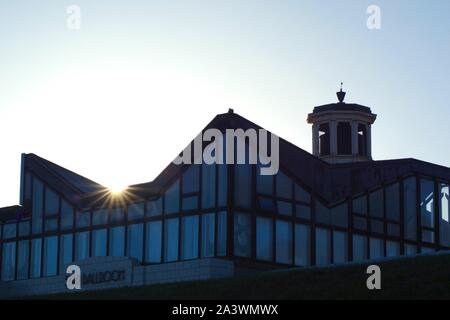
{"x":117,"y":99}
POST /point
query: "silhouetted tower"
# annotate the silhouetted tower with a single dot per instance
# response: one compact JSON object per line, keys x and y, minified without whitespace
{"x":341,"y":132}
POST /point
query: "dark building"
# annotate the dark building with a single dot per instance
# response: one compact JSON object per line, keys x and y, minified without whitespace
{"x":333,"y":206}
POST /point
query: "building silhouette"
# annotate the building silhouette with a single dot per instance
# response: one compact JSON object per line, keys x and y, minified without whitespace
{"x":333,"y":206}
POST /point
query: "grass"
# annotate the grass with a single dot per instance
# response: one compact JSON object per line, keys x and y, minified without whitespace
{"x":423,"y":277}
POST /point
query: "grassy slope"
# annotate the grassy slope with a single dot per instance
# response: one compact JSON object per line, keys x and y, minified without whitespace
{"x":426,"y":277}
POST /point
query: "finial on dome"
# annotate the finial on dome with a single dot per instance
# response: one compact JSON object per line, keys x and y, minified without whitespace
{"x":341,"y":94}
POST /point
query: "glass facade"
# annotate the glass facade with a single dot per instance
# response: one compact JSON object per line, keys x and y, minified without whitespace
{"x":266,"y":219}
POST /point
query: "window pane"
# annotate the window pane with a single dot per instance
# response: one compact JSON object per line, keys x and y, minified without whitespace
{"x":284,"y":242}
{"x":284,"y":208}
{"x":284,"y":185}
{"x":302,"y":245}
{"x":65,"y":255}
{"x":376,"y":204}
{"x":444,"y":214}
{"x":393,"y":202}
{"x":189,"y":237}
{"x":242,"y":240}
{"x":22,"y":260}
{"x":154,"y":208}
{"x":340,"y":247}
{"x":117,"y":241}
{"x":303,"y":211}
{"x":360,"y":223}
{"x":51,"y":224}
{"x":339,"y":215}
{"x":208,"y":227}
{"x":360,"y":205}
{"x":264,"y":239}
{"x":8,"y":261}
{"x":323,"y":247}
{"x":35,"y":268}
{"x":428,"y":236}
{"x":51,"y":202}
{"x":376,"y":248}
{"x":136,"y":241}
{"x":242,"y":185}
{"x":377,"y":226}
{"x":153,"y":245}
{"x":191,"y":179}
{"x":409,"y":192}
{"x":83,"y":219}
{"x":135,"y":211}
{"x":222,"y":196}
{"x":100,"y":217}
{"x":117,"y":215}
{"x":222,"y":233}
{"x":99,"y":243}
{"x":266,"y":204}
{"x":359,"y":248}
{"x":66,"y":215}
{"x":9,"y":230}
{"x":172,"y":197}
{"x":410,"y":249}
{"x":50,"y":256}
{"x":393,"y":229}
{"x":264,"y":183}
{"x":37,"y":209}
{"x":208,"y":185}
{"x":392,"y":249}
{"x":301,"y":194}
{"x":427,"y":203}
{"x":190,"y":203}
{"x":24,"y":228}
{"x":82,"y":245}
{"x":171,"y":240}
{"x":323,"y":214}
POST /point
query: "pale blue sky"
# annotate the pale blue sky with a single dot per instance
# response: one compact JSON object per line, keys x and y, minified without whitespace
{"x":119,"y":98}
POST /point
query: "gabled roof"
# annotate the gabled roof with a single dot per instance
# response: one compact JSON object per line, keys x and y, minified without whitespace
{"x":330,"y":182}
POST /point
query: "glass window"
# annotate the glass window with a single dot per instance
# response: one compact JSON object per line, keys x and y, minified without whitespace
{"x":266,"y":204}
{"x":83,"y":219}
{"x":51,"y":224}
{"x":339,"y":215}
{"x":376,"y":226}
{"x":264,"y":239}
{"x":359,"y":248}
{"x":301,"y":194}
{"x":35,"y":268}
{"x":360,"y":205}
{"x":340,"y":247}
{"x":323,"y":246}
{"x":117,"y":241}
{"x":27,"y":188}
{"x":284,"y":208}
{"x":242,"y":185}
{"x":9,"y":230}
{"x":393,"y":229}
{"x":37,"y":208}
{"x":208,"y":185}
{"x":427,"y":250}
{"x":190,"y":203}
{"x":392,"y":249}
{"x":393,"y":202}
{"x":360,"y":223}
{"x":135,"y":241}
{"x":322,"y":213}
{"x":444,"y":214}
{"x":284,"y":185}
{"x":264,"y":183}
{"x":50,"y":256}
{"x":427,"y":203}
{"x":428,"y":236}
{"x":135,"y":211}
{"x":191,"y":179}
{"x":410,"y":250}
{"x":100,"y":217}
{"x":242,"y":235}
{"x":65,"y":255}
{"x":117,"y":215}
{"x":409,"y":201}
{"x":153,"y":242}
{"x":189,"y":237}
{"x":66,"y":215}
{"x":22,"y":260}
{"x":223,"y":178}
{"x":283,"y":242}
{"x":172,"y":197}
{"x":82,"y":245}
{"x":99,"y":243}
{"x":171,"y":240}
{"x":8,"y":261}
{"x":376,"y":248}
{"x":208,"y":228}
{"x":302,"y":245}
{"x":24,"y":228}
{"x":222,"y":233}
{"x":51,"y":202}
{"x":376,"y":204}
{"x":154,"y":207}
{"x":303,"y":211}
